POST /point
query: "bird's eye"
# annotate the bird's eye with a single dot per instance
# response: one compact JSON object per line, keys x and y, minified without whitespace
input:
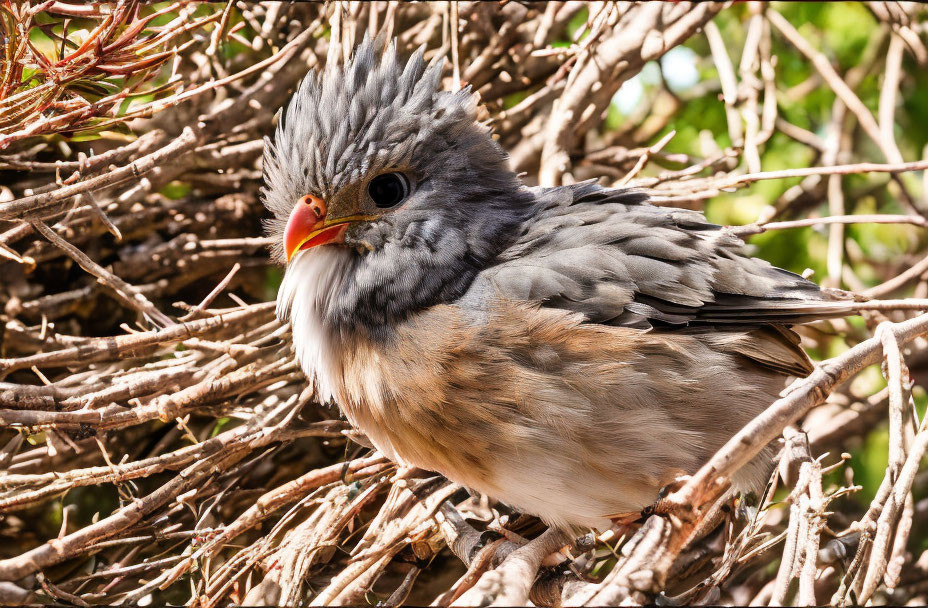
{"x":389,"y":189}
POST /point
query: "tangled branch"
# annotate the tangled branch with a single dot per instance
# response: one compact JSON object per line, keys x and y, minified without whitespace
{"x":159,"y":443}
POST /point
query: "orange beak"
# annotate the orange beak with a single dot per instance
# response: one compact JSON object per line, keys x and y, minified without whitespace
{"x":309,"y":226}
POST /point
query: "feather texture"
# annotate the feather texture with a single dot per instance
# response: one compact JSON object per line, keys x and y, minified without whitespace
{"x":618,"y":260}
{"x":564,"y":419}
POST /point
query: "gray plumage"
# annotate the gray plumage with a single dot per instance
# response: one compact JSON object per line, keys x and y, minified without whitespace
{"x":618,"y":260}
{"x":375,"y":114}
{"x":568,"y":350}
{"x":605,"y":253}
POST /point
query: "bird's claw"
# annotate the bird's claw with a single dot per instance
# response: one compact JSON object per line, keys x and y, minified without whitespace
{"x":664,"y":506}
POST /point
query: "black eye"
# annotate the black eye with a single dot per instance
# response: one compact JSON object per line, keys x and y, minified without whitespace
{"x":389,"y":189}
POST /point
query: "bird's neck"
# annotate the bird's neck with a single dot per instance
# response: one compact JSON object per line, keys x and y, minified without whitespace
{"x":339,"y":291}
{"x":314,"y":278}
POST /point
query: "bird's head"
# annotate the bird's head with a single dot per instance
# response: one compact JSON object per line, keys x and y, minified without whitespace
{"x":386,"y":192}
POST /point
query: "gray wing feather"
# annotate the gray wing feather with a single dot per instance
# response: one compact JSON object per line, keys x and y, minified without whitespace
{"x":618,"y":260}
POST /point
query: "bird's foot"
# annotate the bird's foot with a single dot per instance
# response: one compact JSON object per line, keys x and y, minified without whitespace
{"x":663,"y":506}
{"x":509,"y":583}
{"x":678,"y":482}
{"x":555,"y":558}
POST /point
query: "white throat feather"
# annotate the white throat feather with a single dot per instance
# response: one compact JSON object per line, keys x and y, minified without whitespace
{"x":312,"y":279}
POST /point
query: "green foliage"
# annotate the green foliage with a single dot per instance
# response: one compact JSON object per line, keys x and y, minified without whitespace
{"x":911,"y":126}
{"x":272,"y":281}
{"x":176,"y":190}
{"x":870,"y":461}
{"x":576,"y":22}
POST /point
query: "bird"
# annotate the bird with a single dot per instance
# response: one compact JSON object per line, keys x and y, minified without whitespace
{"x":568,"y":351}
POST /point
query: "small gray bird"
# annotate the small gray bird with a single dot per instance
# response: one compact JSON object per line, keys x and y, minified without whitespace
{"x":568,"y":351}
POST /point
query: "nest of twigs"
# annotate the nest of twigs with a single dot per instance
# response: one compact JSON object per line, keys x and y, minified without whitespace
{"x":158,"y":443}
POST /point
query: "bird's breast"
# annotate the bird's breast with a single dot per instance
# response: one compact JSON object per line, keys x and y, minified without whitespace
{"x":397,"y":392}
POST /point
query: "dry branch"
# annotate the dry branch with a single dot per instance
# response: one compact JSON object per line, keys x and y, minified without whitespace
{"x":140,"y":358}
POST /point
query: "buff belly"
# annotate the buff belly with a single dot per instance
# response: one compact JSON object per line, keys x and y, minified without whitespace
{"x":540,"y":415}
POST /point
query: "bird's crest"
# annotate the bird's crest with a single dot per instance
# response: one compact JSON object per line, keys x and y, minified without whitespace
{"x":354,"y":119}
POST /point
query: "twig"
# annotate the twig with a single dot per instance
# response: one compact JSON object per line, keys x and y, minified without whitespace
{"x":510,"y":583}
{"x":837,"y":84}
{"x":97,"y":350}
{"x":212,"y":295}
{"x":127,"y":294}
{"x":751,"y":229}
{"x":728,"y":80}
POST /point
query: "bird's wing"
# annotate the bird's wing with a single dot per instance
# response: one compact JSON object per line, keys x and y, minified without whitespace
{"x":618,"y":260}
